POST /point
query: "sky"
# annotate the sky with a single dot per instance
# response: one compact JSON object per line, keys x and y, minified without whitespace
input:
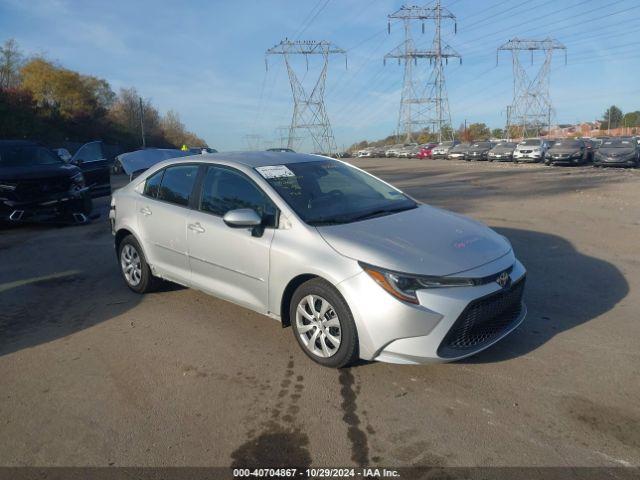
{"x":206,"y":59}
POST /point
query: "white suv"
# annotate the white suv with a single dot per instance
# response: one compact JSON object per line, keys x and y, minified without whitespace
{"x":530,"y":150}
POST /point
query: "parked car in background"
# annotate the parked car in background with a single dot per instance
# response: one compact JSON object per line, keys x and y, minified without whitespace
{"x":408,"y":151}
{"x":530,"y":150}
{"x":426,"y":150}
{"x":379,"y":151}
{"x":479,"y":151}
{"x":93,"y":163}
{"x":136,"y":162}
{"x":339,"y":255}
{"x":502,"y":152}
{"x":202,"y":150}
{"x":443,"y":148}
{"x":394,"y":150}
{"x":618,"y":152}
{"x":458,"y":152}
{"x":365,"y":152}
{"x":277,"y":149}
{"x":568,"y":151}
{"x":36,"y":185}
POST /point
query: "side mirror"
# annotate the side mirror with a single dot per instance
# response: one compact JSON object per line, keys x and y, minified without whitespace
{"x":242,"y":218}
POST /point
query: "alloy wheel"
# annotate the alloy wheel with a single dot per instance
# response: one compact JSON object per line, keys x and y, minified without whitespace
{"x":318,"y":326}
{"x":131,"y":265}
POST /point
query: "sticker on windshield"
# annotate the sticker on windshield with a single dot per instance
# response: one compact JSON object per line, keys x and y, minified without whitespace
{"x":275,"y":171}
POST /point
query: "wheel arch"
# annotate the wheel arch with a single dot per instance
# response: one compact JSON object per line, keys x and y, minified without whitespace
{"x":287,"y":294}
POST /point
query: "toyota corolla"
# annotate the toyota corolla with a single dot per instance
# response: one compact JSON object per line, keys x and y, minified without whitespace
{"x":357,"y":268}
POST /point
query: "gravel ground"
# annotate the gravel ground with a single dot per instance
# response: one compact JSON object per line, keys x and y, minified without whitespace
{"x":91,"y":374}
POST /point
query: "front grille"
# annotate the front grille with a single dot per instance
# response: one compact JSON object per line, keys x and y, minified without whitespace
{"x":37,"y":189}
{"x":483,"y":321}
{"x":526,"y":151}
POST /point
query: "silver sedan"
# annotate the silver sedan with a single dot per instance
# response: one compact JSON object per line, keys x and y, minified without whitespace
{"x":357,"y":268}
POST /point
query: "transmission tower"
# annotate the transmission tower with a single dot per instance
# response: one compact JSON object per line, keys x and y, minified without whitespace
{"x":423,"y":106}
{"x":309,"y":112}
{"x":253,"y":141}
{"x":531,"y":109}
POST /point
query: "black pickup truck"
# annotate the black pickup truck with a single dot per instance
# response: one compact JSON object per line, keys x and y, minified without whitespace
{"x":37,"y":185}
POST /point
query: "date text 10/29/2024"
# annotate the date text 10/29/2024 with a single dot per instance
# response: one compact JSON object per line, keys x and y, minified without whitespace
{"x":315,"y":473}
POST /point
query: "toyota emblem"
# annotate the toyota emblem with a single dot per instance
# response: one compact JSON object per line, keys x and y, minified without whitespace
{"x":503,"y":279}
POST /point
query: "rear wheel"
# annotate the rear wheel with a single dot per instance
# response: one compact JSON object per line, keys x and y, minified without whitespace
{"x":134,"y":268}
{"x":323,"y":325}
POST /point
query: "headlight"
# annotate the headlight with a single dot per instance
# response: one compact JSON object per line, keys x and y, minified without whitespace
{"x":7,"y":187}
{"x":404,"y":286}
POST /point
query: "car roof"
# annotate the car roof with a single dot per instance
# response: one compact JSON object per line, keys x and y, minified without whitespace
{"x":257,"y":159}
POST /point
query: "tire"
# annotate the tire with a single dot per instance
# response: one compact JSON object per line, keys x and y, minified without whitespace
{"x":308,"y":326}
{"x":129,"y":254}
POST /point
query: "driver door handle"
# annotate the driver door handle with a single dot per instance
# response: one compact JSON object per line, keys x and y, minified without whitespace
{"x":196,"y":227}
{"x":145,"y":211}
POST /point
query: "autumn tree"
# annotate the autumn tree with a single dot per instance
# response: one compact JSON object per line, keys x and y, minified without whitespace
{"x":65,"y":93}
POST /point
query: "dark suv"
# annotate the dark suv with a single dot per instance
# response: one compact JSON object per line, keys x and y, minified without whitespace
{"x":37,"y":185}
{"x":479,"y":151}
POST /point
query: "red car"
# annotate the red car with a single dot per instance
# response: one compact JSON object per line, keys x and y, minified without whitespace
{"x":425,"y":151}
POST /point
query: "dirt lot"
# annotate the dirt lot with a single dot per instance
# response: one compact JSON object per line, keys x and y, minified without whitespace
{"x":91,"y":374}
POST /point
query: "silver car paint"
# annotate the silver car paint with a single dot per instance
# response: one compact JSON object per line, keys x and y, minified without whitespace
{"x":255,"y":271}
{"x":408,"y":242}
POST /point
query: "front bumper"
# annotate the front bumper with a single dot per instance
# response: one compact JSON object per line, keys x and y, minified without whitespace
{"x":528,"y":157}
{"x":616,"y":162}
{"x":564,"y":160}
{"x":72,"y":204}
{"x":500,"y":157}
{"x":456,"y":156}
{"x":440,"y":155}
{"x":393,"y":331}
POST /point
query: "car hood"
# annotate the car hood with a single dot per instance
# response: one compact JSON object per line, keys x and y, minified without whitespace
{"x":616,"y":151}
{"x":36,"y":172}
{"x":564,"y":151}
{"x":424,"y":240}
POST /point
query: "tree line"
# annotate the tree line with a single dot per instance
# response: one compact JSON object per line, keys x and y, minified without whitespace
{"x":41,"y":100}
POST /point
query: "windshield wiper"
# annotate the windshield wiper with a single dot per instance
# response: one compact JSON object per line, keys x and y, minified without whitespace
{"x":380,"y":212}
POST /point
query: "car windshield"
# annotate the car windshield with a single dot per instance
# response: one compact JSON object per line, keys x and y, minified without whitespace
{"x":505,"y":145}
{"x":567,"y":143}
{"x":618,"y":144}
{"x":461,"y":147}
{"x":26,"y":155}
{"x":445,"y":144}
{"x":328,"y":192}
{"x":531,"y":142}
{"x":481,"y":145}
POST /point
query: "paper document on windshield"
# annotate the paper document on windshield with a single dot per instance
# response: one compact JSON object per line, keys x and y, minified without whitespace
{"x":275,"y":171}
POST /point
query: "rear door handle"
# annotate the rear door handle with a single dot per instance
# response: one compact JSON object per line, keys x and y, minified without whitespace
{"x":196,"y":227}
{"x":145,"y":211}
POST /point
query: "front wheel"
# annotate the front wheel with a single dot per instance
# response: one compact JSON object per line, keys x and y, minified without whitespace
{"x":323,"y":325}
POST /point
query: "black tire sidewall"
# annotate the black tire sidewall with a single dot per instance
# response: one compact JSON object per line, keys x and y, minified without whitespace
{"x":348,"y":350}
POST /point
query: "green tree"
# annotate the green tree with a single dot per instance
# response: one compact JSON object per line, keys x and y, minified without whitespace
{"x":497,"y":133}
{"x":612,"y":117}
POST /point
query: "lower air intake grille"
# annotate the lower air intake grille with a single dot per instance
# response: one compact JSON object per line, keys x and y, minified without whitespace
{"x":483,"y":321}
